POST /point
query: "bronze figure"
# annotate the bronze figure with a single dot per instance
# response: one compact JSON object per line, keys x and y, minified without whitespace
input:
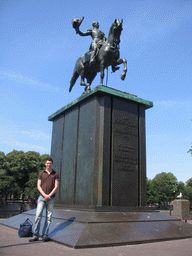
{"x":102,"y":53}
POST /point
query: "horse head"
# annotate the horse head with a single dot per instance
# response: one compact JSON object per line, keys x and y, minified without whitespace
{"x":115,"y":31}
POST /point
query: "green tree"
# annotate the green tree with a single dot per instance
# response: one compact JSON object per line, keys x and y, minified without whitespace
{"x":2,"y":161}
{"x":188,"y":190}
{"x":180,"y":188}
{"x":22,"y":168}
{"x":31,"y":187}
{"x":8,"y":186}
{"x":18,"y":173}
{"x":151,"y":196}
{"x":32,"y":160}
{"x":15,"y":168}
{"x":165,"y":187}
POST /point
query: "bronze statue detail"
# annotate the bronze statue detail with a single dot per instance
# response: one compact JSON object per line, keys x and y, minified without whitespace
{"x":102,"y":53}
{"x":98,"y":38}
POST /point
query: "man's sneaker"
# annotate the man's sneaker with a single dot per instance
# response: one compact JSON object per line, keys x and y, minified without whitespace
{"x":34,"y":239}
{"x":46,"y":239}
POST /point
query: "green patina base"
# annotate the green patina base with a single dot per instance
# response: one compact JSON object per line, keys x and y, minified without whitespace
{"x":102,"y":89}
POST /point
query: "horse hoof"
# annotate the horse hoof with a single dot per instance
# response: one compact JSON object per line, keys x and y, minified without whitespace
{"x":88,"y":89}
{"x":122,"y":76}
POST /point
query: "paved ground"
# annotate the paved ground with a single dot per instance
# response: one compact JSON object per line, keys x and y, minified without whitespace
{"x":11,"y":244}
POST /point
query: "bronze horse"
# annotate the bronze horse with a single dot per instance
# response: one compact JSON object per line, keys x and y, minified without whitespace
{"x":108,"y":55}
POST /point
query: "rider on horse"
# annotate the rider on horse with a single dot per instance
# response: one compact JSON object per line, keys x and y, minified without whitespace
{"x":101,"y":55}
{"x":97,"y":35}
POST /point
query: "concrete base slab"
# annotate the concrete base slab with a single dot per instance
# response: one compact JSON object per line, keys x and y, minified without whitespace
{"x":83,"y":229}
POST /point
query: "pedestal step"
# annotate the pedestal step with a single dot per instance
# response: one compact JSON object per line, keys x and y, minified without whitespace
{"x":83,"y":229}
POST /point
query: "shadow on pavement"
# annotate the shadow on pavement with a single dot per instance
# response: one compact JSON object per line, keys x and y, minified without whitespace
{"x":11,"y":245}
{"x":62,"y":226}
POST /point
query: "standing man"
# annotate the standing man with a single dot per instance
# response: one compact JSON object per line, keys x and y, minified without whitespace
{"x":47,"y":184}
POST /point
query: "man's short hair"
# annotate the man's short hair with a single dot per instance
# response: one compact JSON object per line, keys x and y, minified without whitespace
{"x":49,"y":159}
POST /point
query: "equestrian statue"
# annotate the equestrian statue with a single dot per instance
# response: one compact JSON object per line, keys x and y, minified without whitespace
{"x":103,"y":52}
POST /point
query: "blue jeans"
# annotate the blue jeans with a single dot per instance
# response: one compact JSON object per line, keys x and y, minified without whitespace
{"x":48,"y":205}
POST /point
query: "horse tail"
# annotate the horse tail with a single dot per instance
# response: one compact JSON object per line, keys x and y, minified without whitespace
{"x":73,"y":79}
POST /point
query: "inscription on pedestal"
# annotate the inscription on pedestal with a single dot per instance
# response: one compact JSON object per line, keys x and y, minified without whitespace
{"x":124,"y":153}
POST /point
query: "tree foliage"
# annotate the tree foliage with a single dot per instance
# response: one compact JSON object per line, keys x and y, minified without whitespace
{"x":151,"y":196}
{"x":18,"y":173}
{"x":8,"y":185}
{"x":188,"y":190}
{"x":2,"y":161}
{"x":165,"y":188}
{"x":162,"y":189}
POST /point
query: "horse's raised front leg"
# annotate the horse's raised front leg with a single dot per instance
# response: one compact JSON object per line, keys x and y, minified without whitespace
{"x":102,"y":67}
{"x":124,"y":61}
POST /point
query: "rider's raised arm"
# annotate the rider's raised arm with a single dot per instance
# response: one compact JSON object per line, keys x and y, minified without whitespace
{"x":87,"y":33}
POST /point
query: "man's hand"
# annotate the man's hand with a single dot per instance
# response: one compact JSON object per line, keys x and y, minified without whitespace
{"x":47,"y":198}
{"x":77,"y":30}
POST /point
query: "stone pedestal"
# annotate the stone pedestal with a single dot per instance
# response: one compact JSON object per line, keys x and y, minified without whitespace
{"x":98,"y":148}
{"x":181,"y":208}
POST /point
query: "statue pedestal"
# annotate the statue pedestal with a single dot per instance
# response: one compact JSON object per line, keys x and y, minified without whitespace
{"x":181,"y":208}
{"x":98,"y":148}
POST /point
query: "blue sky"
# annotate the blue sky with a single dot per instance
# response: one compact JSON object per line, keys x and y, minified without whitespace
{"x":38,"y":51}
